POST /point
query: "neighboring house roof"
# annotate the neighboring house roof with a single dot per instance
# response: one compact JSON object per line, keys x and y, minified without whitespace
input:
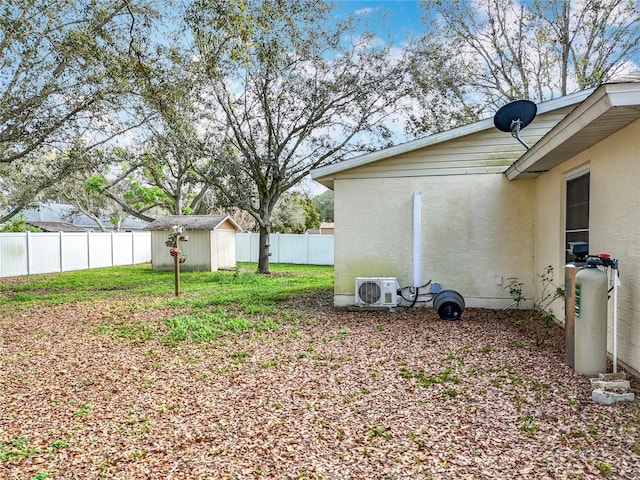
{"x":60,"y":212}
{"x":611,"y":107}
{"x":191,"y":222}
{"x":501,"y":148}
{"x":56,"y":226}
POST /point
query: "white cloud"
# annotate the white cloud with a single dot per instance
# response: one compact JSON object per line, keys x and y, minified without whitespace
{"x":364,"y":11}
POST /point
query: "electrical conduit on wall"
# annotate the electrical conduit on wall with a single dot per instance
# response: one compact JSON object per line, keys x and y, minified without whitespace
{"x":417,"y":240}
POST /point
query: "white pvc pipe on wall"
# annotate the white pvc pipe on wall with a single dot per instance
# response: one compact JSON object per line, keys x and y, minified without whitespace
{"x":417,"y":239}
{"x":615,"y":280}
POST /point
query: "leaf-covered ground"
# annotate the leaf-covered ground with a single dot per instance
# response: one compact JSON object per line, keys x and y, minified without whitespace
{"x":322,"y":393}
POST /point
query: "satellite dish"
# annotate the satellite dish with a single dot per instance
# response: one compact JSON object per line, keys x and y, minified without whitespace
{"x":514,"y":116}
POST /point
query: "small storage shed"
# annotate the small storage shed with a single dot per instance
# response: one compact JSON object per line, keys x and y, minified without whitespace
{"x":211,"y":243}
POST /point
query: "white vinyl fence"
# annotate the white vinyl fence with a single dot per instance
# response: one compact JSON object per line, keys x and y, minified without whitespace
{"x":28,"y":253}
{"x":287,"y":248}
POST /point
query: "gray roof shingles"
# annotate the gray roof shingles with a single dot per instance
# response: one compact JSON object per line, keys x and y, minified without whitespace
{"x":189,"y":222}
{"x":56,"y":226}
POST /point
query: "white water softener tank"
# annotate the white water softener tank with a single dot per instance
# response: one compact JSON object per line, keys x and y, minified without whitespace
{"x":590,"y":329}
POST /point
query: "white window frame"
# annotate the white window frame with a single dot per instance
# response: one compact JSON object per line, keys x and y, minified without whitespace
{"x":570,"y":176}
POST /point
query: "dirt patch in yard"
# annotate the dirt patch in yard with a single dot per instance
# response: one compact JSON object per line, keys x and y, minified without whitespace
{"x":327,"y":394}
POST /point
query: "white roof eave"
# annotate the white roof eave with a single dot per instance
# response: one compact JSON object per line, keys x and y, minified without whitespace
{"x":557,"y":145}
{"x":324,"y":175}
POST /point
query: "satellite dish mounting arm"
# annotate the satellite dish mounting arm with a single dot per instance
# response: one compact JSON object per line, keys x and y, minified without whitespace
{"x":516,"y":125}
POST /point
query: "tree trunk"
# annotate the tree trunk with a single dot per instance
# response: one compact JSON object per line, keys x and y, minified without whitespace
{"x":263,"y":249}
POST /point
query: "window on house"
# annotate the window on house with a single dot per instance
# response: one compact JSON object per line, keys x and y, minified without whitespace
{"x":577,"y":215}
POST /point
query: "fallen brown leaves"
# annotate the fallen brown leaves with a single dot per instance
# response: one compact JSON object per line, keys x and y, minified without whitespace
{"x":331,"y":394}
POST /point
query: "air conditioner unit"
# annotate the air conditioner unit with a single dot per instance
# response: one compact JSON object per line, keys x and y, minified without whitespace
{"x":376,"y":292}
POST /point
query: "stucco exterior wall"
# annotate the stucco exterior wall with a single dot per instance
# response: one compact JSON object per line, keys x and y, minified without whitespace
{"x":549,"y":232}
{"x":614,"y":225}
{"x":477,"y":231}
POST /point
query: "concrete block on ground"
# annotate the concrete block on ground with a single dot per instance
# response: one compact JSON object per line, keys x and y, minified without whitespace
{"x":609,"y":398}
{"x":612,"y":376}
{"x":617,"y":386}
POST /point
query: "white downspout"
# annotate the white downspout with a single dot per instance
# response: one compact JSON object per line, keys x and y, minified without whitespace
{"x":615,"y":280}
{"x":417,"y":240}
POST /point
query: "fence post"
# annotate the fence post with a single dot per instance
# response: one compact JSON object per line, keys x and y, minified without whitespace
{"x":28,"y":241}
{"x":61,"y":251}
{"x":112,"y":250}
{"x":88,"y":249}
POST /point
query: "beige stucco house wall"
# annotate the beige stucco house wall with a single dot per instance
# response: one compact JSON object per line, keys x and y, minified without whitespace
{"x":211,"y":242}
{"x":477,"y":226}
{"x":614,"y":224}
{"x":491,"y":210}
{"x":466,"y":220}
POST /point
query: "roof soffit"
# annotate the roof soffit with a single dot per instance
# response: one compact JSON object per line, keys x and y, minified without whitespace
{"x":609,"y":109}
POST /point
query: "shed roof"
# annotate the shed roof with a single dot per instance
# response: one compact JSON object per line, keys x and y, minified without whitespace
{"x":191,"y":222}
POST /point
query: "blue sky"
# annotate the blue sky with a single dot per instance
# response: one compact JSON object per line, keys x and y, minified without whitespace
{"x":402,"y":16}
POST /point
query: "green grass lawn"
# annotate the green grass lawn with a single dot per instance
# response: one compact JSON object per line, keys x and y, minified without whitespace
{"x":197,"y":288}
{"x":210,"y":304}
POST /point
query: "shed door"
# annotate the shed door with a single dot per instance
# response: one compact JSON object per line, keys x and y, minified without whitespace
{"x":226,"y":248}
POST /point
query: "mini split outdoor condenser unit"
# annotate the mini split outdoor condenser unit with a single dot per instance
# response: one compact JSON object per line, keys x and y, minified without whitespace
{"x":376,"y":292}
